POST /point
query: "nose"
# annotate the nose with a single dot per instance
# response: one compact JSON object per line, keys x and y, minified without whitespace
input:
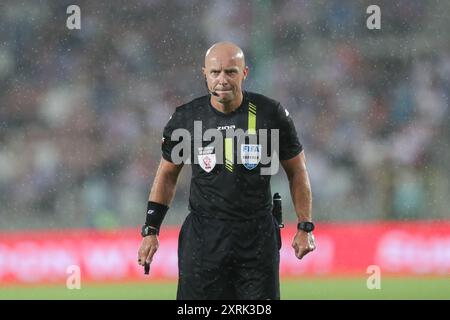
{"x":222,"y":78}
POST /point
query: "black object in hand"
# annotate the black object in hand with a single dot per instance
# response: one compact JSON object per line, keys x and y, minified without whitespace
{"x":146,"y":268}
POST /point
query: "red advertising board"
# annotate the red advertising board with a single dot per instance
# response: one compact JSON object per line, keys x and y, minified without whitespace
{"x":415,"y":248}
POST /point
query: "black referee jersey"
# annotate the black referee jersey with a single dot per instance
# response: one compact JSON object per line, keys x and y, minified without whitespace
{"x":229,"y":184}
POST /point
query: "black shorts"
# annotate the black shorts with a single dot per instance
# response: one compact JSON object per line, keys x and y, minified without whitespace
{"x":223,"y":259}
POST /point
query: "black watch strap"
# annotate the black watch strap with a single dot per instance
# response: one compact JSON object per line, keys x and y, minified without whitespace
{"x":306,"y":226}
{"x":148,"y":231}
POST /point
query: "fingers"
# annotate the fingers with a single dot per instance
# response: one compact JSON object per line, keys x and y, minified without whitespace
{"x":149,"y":257}
{"x":299,"y":250}
{"x":302,"y":250}
{"x":311,"y":242}
{"x":145,"y":256}
{"x":296,"y":248}
{"x":145,"y":253}
{"x":142,"y":255}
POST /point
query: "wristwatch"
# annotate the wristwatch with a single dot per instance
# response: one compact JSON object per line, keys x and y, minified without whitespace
{"x":305,"y":226}
{"x":148,"y":231}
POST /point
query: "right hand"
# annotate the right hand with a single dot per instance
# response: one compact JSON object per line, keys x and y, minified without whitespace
{"x":149,"y":245}
{"x":303,"y":243}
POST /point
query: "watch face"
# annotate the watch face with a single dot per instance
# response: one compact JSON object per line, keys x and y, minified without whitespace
{"x":144,"y":231}
{"x":147,"y":231}
{"x":306,"y":226}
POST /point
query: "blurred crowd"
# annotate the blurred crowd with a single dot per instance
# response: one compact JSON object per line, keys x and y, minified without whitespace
{"x":82,"y":111}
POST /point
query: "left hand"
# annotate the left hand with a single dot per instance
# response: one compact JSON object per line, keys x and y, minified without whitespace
{"x":303,"y":243}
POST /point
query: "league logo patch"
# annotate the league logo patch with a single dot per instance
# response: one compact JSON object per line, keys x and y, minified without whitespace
{"x":206,"y":158}
{"x":250,"y":155}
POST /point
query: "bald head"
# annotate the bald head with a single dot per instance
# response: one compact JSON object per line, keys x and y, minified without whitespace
{"x":225,"y":51}
{"x":224,"y":71}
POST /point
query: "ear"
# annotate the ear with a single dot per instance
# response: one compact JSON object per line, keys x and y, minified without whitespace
{"x":204,"y":71}
{"x":245,"y":71}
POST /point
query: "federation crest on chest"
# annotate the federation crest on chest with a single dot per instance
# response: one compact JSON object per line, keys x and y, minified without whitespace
{"x":206,"y":158}
{"x":250,"y":155}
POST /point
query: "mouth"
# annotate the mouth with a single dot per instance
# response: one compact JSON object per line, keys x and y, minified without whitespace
{"x":223,"y":91}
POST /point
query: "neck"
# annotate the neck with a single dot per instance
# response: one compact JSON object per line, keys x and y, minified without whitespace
{"x":227,"y":107}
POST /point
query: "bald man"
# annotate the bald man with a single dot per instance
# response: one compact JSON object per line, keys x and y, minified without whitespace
{"x":229,"y":243}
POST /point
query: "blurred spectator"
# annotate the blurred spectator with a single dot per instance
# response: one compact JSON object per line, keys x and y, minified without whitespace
{"x":82,"y":112}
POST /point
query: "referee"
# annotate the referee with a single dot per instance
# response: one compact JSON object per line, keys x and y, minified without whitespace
{"x":229,"y":243}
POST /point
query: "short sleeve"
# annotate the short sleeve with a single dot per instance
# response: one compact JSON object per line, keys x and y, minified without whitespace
{"x":167,"y":144}
{"x":290,"y":145}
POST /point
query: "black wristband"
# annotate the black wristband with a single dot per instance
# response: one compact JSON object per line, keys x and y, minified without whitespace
{"x":155,"y":214}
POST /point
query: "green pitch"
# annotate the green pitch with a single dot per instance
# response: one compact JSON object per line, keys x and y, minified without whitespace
{"x":293,"y":289}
